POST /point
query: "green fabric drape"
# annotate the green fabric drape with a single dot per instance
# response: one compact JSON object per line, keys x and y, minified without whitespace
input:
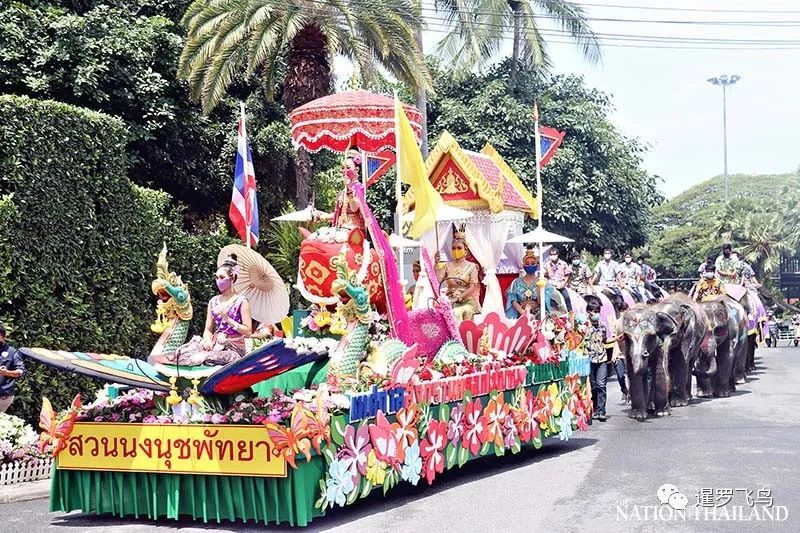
{"x":298,"y":378}
{"x":202,"y":497}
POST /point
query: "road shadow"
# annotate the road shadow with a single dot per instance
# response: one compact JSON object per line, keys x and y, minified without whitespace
{"x":474,"y":470}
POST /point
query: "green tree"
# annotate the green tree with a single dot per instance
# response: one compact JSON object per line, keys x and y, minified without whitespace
{"x":479,"y":28}
{"x":294,"y":41}
{"x":120,"y":57}
{"x":760,"y":220}
{"x":595,"y":189}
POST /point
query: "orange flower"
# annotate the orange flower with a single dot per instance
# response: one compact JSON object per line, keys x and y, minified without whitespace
{"x":495,"y":414}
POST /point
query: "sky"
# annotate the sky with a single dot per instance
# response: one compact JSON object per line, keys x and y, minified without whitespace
{"x":662,"y":97}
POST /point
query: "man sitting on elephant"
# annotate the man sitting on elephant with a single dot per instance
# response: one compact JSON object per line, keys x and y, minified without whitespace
{"x":629,"y":276}
{"x":580,"y":275}
{"x":709,"y":286}
{"x":727,"y":266}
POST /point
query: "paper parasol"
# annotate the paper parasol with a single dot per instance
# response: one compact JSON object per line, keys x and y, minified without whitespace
{"x":445,"y":213}
{"x":260,"y":283}
{"x":396,"y":241}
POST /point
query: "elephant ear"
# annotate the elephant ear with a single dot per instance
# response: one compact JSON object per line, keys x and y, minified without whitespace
{"x":665,"y":325}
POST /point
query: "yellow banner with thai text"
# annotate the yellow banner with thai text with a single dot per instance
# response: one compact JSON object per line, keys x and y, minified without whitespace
{"x":224,"y":450}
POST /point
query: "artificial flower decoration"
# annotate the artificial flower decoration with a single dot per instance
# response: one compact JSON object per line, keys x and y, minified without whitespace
{"x":384,"y":441}
{"x":565,"y":423}
{"x":376,"y":469}
{"x":292,"y":441}
{"x":322,"y":319}
{"x":552,"y":389}
{"x":339,"y":483}
{"x":405,"y":426}
{"x":432,"y":449}
{"x":495,"y":414}
{"x":524,"y":418}
{"x":455,"y":426}
{"x":475,"y":433}
{"x":412,"y":464}
{"x":545,"y":403}
{"x":510,"y":433}
{"x":356,"y":446}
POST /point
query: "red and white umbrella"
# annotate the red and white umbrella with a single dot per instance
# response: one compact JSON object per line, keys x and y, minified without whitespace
{"x":352,"y":119}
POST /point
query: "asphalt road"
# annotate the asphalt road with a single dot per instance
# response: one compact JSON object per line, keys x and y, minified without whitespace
{"x":603,"y":480}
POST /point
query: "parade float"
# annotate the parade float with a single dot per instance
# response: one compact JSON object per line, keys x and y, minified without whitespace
{"x":360,"y":394}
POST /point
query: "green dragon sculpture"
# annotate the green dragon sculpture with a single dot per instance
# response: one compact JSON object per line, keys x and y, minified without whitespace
{"x":173,"y":310}
{"x":355,"y":309}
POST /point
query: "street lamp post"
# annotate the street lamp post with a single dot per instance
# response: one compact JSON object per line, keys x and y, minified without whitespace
{"x":724,"y":81}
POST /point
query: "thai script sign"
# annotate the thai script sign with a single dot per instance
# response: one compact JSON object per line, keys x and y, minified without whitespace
{"x":224,"y":450}
{"x":367,"y":404}
{"x":452,"y":389}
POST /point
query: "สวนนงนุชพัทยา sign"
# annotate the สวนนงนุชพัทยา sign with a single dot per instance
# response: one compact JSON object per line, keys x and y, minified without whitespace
{"x":172,"y":448}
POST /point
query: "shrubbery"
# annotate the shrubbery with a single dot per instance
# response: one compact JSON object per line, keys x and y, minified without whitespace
{"x":79,"y":242}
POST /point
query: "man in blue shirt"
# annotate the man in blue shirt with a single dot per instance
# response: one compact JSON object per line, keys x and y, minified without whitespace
{"x":11,"y":369}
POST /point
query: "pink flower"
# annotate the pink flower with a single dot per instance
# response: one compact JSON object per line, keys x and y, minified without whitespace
{"x":455,"y":427}
{"x":164,"y":419}
{"x":236,"y":417}
{"x":509,"y":432}
{"x":98,"y":419}
{"x":207,"y":418}
{"x":474,"y":427}
{"x":259,"y":419}
{"x":431,"y":450}
{"x":150,"y":419}
{"x":357,"y":446}
{"x":217,"y":418}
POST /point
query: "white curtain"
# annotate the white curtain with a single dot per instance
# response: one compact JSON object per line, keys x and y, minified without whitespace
{"x":486,"y":241}
{"x":428,"y":239}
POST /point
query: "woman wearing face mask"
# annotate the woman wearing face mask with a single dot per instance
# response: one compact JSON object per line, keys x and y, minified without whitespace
{"x":522,"y":296}
{"x":228,"y":323}
{"x":462,"y":280}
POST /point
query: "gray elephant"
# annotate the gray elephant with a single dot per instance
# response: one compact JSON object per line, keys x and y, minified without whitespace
{"x":645,"y":331}
{"x":727,"y":343}
{"x":683,"y":347}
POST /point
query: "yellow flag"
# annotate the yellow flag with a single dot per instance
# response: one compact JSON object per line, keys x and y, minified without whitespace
{"x":411,"y":170}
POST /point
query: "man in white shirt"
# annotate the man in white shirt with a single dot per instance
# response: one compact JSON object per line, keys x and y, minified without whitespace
{"x":605,"y":273}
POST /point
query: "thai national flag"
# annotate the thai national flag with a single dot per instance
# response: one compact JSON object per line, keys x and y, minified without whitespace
{"x":244,"y":205}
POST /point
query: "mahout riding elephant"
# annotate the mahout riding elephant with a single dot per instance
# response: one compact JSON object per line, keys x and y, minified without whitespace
{"x":728,"y":341}
{"x":683,"y":347}
{"x":646,"y":330}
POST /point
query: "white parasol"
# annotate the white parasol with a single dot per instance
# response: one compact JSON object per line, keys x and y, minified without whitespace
{"x":540,"y":236}
{"x":304,"y":215}
{"x":396,"y":241}
{"x":445,"y":213}
{"x":260,"y":283}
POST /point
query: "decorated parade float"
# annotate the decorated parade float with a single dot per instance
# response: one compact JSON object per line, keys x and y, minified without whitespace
{"x":361,"y":392}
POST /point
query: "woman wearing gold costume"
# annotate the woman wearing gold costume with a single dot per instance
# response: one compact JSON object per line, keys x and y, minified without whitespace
{"x":461,"y":277}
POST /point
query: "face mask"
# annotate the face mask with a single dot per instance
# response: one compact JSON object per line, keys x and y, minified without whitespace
{"x":596,"y":317}
{"x":628,"y":260}
{"x":531,"y":269}
{"x":576,"y":262}
{"x":553,"y":258}
{"x":709,"y":275}
{"x":606,"y":256}
{"x":223,"y":284}
{"x":459,"y":253}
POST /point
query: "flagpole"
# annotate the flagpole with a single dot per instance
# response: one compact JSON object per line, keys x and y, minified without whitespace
{"x":538,"y":141}
{"x":398,"y":191}
{"x":248,"y":201}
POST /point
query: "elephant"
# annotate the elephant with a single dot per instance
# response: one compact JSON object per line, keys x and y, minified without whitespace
{"x":715,"y":367}
{"x":645,"y":332}
{"x":683,"y":347}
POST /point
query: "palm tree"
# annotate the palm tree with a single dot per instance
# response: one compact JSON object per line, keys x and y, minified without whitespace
{"x":478,"y":28}
{"x":295,"y":41}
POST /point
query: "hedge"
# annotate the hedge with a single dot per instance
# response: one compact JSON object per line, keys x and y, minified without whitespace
{"x":79,"y":242}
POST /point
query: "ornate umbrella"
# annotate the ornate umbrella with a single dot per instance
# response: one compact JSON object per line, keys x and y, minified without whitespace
{"x":352,"y":119}
{"x":260,"y":283}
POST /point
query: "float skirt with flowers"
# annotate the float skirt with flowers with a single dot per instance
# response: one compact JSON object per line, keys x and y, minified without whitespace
{"x":287,"y":458}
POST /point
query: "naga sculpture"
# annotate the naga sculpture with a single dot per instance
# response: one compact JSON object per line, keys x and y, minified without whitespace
{"x":173,"y":310}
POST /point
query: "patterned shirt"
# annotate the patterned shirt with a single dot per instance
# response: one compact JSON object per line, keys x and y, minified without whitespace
{"x":579,"y":278}
{"x":726,"y":264}
{"x":595,"y":346}
{"x":648,"y":273}
{"x":630,"y":273}
{"x":557,"y":271}
{"x":608,"y":272}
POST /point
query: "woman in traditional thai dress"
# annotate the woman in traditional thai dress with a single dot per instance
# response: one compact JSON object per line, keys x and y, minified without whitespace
{"x":228,"y":323}
{"x":461,"y":277}
{"x":347,"y":213}
{"x":522,"y":296}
